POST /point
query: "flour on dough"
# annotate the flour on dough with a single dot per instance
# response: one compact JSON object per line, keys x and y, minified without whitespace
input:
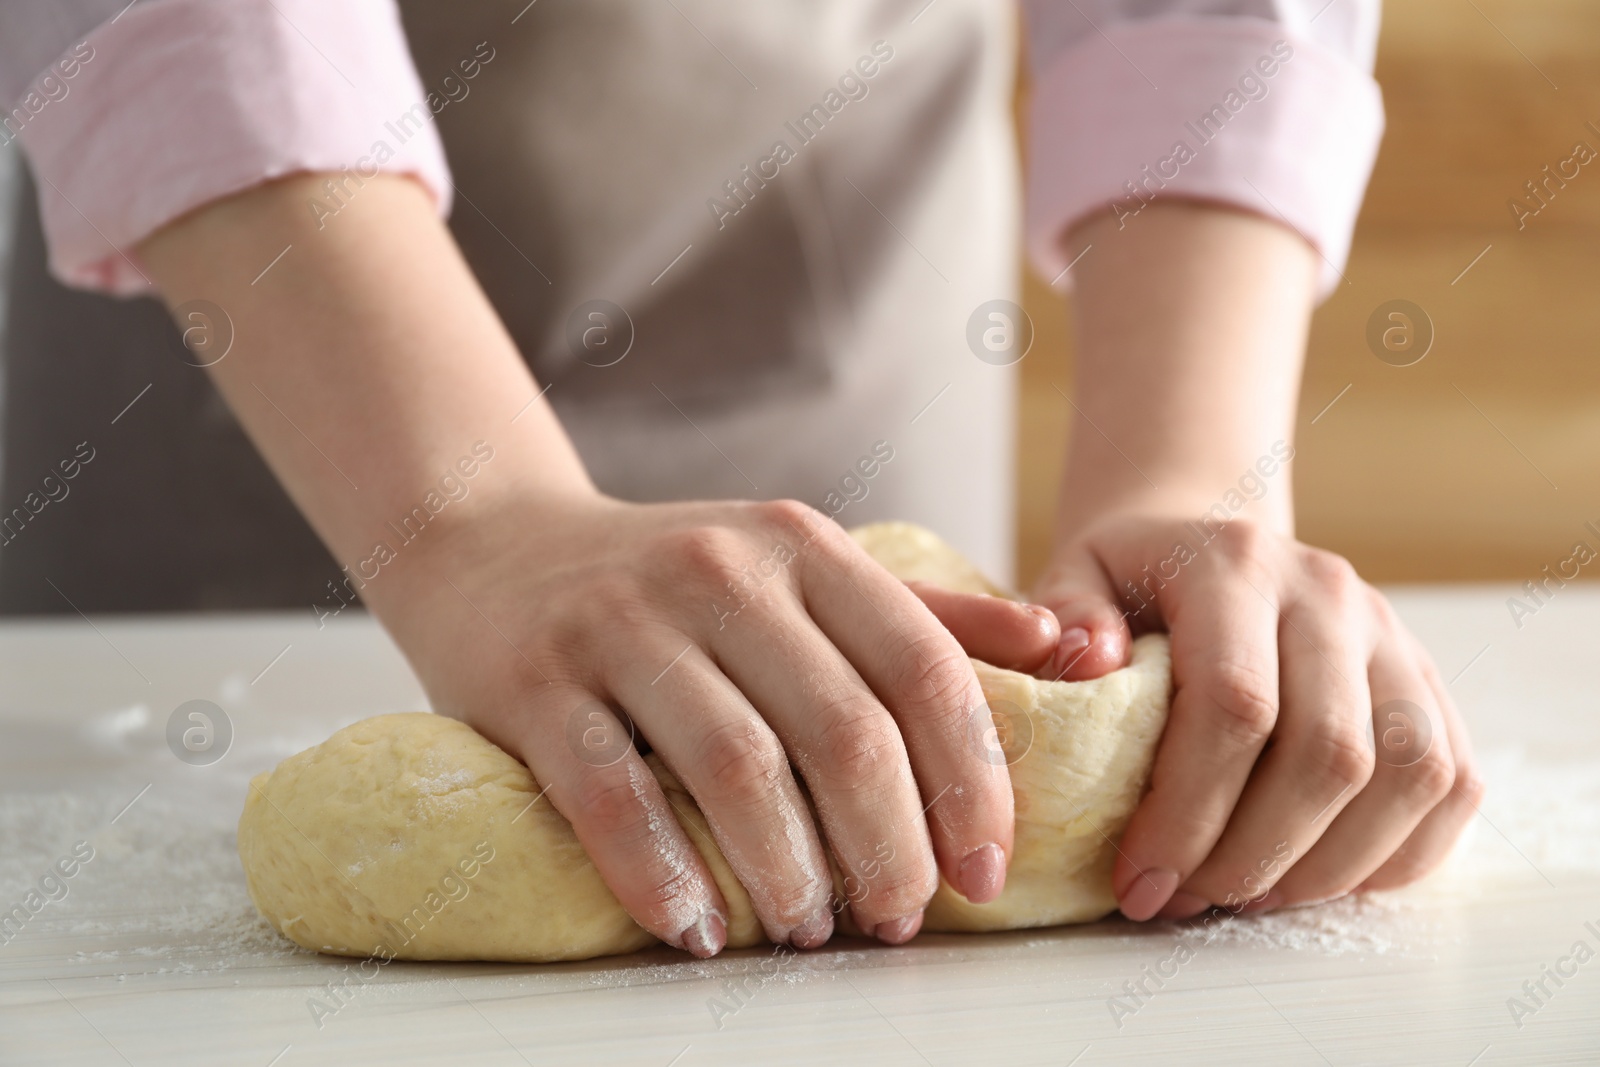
{"x":410,"y":836}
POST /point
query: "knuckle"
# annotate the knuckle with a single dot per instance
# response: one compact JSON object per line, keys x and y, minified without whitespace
{"x":705,"y":552}
{"x":607,"y":803}
{"x":788,"y":902}
{"x":938,"y":680}
{"x":903,"y":889}
{"x":1378,"y":604}
{"x":1470,"y":784}
{"x":654,"y":895}
{"x":784,"y":513}
{"x":811,"y":536}
{"x":858,"y":743}
{"x":609,"y":807}
{"x":1431,"y":777}
{"x":742,"y":765}
{"x":1246,"y":702}
{"x":1333,"y":576}
{"x":1339,"y":757}
{"x":668,"y":886}
{"x":1244,"y":544}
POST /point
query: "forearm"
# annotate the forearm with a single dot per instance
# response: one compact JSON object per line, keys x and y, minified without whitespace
{"x":366,"y":362}
{"x":1191,"y":327}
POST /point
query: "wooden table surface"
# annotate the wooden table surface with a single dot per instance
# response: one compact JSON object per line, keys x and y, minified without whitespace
{"x":154,"y":953}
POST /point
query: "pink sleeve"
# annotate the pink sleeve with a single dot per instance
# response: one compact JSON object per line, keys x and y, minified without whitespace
{"x":1241,"y":111}
{"x":176,"y":103}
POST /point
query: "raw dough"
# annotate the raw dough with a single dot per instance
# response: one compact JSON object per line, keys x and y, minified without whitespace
{"x":409,"y":836}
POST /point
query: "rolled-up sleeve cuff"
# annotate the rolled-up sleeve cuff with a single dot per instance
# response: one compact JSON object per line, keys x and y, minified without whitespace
{"x":1185,"y":107}
{"x":181,"y":102}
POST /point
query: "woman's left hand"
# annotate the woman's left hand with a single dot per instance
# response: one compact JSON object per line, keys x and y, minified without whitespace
{"x":1267,"y":786}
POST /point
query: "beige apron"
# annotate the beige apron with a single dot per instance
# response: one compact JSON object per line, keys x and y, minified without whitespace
{"x":819,"y":319}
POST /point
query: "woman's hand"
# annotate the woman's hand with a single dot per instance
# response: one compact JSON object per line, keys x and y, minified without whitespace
{"x":1191,"y":323}
{"x":738,"y":638}
{"x":1268,"y":785}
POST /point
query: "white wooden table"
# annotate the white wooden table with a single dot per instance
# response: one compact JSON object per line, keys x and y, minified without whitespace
{"x":155,"y":954}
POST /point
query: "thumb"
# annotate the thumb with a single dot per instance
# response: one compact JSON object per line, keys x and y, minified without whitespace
{"x":1094,"y":632}
{"x":1018,"y":637}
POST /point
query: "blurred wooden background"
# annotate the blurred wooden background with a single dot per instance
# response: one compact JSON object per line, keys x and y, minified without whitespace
{"x":1404,"y":475}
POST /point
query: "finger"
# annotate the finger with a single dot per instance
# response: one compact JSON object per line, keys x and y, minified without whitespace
{"x":583,"y":756}
{"x":838,"y":735}
{"x":1018,"y":637}
{"x":734,"y":766}
{"x":1319,"y":760}
{"x":845,"y":746}
{"x":1413,"y":772}
{"x":1225,"y":704}
{"x":927,"y":684}
{"x":1095,"y":638}
{"x":1436,"y":835}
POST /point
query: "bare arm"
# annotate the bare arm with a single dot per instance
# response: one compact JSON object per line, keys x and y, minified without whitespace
{"x":366,"y":360}
{"x":1192,"y":325}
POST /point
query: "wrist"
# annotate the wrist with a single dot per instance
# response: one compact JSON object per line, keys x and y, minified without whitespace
{"x":1239,"y":486}
{"x":470,"y":523}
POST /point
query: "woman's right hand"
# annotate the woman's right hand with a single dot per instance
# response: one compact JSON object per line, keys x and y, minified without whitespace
{"x":739,"y":638}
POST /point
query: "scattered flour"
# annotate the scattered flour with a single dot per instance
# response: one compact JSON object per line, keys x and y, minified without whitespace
{"x":1536,"y":817}
{"x":164,"y":884}
{"x":165,"y":893}
{"x":1370,"y":925}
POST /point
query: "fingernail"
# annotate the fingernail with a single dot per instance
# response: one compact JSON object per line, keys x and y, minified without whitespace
{"x":1073,"y":642}
{"x":1273,"y":899}
{"x":1146,"y":892}
{"x":707,"y":937}
{"x":814,"y":931}
{"x":983,"y":873}
{"x":899,"y":931}
{"x":1042,"y":612}
{"x":1183,"y":906}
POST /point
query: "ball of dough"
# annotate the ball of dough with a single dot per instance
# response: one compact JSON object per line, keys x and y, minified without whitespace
{"x":1080,"y":756}
{"x":410,"y":836}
